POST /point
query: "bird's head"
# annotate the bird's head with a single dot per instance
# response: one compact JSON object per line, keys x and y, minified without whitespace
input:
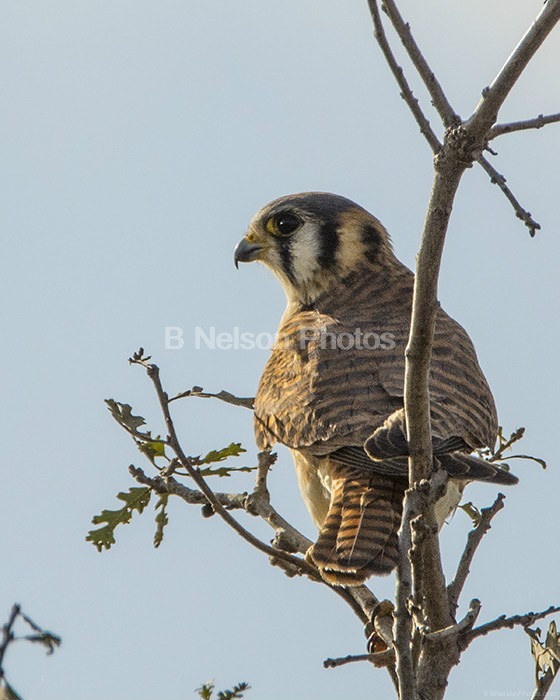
{"x":313,"y":241}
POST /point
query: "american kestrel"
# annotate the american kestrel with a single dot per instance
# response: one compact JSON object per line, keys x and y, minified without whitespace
{"x":332,"y":389}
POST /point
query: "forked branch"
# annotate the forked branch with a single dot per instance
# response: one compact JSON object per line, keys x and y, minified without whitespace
{"x":398,"y":73}
{"x":481,"y":125}
{"x":463,"y":144}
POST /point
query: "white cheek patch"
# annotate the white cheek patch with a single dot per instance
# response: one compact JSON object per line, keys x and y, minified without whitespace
{"x":305,"y":250}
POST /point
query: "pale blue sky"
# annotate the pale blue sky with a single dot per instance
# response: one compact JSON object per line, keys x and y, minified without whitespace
{"x":139,"y":138}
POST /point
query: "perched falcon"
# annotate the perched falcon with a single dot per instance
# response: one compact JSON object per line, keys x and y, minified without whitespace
{"x":332,"y":389}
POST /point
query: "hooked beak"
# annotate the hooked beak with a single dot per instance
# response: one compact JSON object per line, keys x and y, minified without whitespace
{"x":245,"y":251}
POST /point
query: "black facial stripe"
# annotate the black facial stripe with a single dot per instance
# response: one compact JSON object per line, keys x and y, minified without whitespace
{"x":373,"y":242}
{"x":285,"y":250}
{"x":329,"y":241}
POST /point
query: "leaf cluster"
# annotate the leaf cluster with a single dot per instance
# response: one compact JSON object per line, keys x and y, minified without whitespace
{"x":136,"y":499}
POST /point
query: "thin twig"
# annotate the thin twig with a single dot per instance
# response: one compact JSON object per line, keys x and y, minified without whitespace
{"x":497,"y":179}
{"x":225,"y":396}
{"x":8,"y":635}
{"x":379,"y":659}
{"x":505,"y":445}
{"x":504,"y":622}
{"x":538,"y":460}
{"x":535,"y":123}
{"x":406,"y":92}
{"x":169,"y":485}
{"x":473,"y":540}
{"x":444,"y":108}
{"x":448,"y":115}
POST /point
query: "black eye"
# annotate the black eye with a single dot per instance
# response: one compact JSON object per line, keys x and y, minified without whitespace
{"x":286,"y":223}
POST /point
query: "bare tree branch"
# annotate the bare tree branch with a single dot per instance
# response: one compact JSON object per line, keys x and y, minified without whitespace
{"x":493,"y":97}
{"x":497,"y":179}
{"x":504,"y":622}
{"x":418,"y":355}
{"x":381,"y":658}
{"x":535,"y":123}
{"x":246,"y":402}
{"x":170,"y":485}
{"x":463,"y":144}
{"x":406,"y":92}
{"x":473,"y":540}
{"x":47,"y":639}
{"x":8,"y":635}
{"x":439,"y":99}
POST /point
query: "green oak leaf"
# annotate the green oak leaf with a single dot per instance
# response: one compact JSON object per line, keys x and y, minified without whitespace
{"x":224,"y":471}
{"x":122,"y":413}
{"x":153,"y":448}
{"x":234,"y":449}
{"x":137,"y":498}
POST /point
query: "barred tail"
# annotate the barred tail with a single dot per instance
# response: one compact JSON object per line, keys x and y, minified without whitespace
{"x":359,"y":535}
